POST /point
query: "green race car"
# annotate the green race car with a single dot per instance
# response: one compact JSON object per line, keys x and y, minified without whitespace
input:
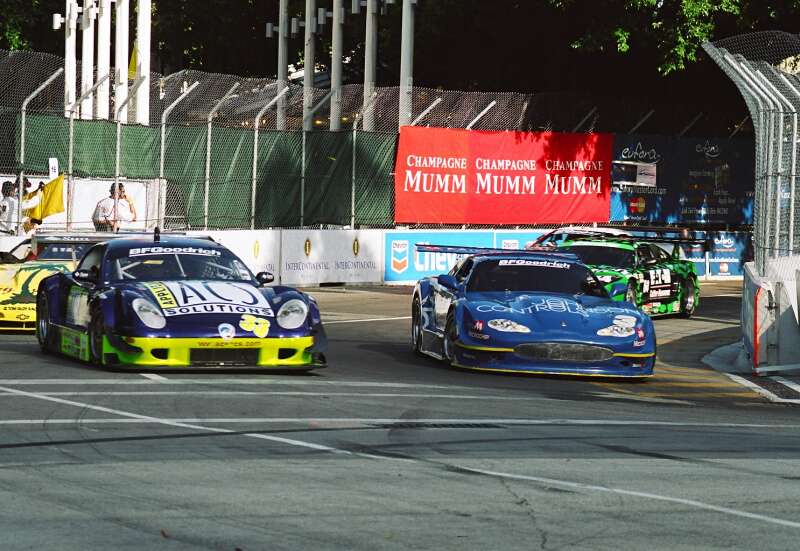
{"x":641,"y":272}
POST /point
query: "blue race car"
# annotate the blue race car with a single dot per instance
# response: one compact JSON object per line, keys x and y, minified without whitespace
{"x":175,"y":303}
{"x":528,"y":311}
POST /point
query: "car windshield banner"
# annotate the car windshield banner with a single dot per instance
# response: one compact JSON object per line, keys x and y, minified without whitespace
{"x":456,"y":176}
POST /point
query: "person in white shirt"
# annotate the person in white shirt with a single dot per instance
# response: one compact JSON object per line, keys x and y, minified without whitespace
{"x":114,"y":210}
{"x":9,"y":212}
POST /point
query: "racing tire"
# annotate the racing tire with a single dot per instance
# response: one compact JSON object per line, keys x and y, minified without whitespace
{"x":416,"y":326}
{"x":450,"y":338}
{"x":688,"y":298}
{"x":44,"y":329}
{"x":95,"y":336}
{"x":630,"y":293}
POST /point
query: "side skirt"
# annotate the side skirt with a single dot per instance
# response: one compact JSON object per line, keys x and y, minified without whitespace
{"x":432,"y":344}
{"x":72,"y":342}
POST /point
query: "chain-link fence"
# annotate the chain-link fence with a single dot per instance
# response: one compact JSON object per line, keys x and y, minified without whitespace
{"x":765,"y":66}
{"x":229,"y":152}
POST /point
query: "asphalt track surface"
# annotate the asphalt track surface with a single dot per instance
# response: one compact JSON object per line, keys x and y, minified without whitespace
{"x":387,"y":450}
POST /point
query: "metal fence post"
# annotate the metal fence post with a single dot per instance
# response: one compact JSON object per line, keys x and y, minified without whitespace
{"x":210,"y":117}
{"x":71,"y":109}
{"x":162,"y":192}
{"x":256,"y":124}
{"x":481,"y":114}
{"x":793,"y":176}
{"x":427,"y":110}
{"x":23,"y":116}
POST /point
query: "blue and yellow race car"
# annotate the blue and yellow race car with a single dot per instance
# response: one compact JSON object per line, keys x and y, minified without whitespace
{"x":528,"y":311}
{"x":176,"y":303}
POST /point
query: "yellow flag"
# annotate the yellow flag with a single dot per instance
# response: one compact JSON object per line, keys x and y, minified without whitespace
{"x":51,"y":200}
{"x":132,"y":65}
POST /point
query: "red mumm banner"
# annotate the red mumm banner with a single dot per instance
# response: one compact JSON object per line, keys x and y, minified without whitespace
{"x":452,"y":176}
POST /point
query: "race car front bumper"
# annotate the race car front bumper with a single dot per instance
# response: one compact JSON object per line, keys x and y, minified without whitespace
{"x":18,"y":317}
{"x":213,"y":353}
{"x":620,"y":364}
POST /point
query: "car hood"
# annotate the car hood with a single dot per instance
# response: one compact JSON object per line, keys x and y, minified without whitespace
{"x":558,"y":316}
{"x":213,"y":308}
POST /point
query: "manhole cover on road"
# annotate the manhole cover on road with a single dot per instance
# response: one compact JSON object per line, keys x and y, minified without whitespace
{"x":412,"y":425}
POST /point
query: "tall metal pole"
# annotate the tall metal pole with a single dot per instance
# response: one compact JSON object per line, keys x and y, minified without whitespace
{"x":208,"y":152}
{"x":103,"y":57}
{"x":336,"y":65}
{"x":24,"y":111}
{"x":283,"y":59}
{"x":137,"y":83}
{"x":370,"y":60}
{"x":70,"y":152}
{"x":87,"y":57}
{"x":161,"y":182}
{"x":256,"y":125}
{"x":143,"y":23}
{"x":121,"y":49}
{"x":70,"y":63}
{"x":407,"y":64}
{"x":308,"y":63}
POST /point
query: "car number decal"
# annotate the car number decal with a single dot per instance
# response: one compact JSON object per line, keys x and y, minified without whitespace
{"x":258,"y":326}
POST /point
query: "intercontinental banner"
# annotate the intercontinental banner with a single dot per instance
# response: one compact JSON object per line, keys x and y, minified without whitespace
{"x":456,"y":176}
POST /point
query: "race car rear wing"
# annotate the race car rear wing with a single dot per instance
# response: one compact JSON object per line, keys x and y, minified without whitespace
{"x":707,"y":244}
{"x":459,"y":249}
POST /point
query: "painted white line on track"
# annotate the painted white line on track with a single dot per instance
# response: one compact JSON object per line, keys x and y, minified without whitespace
{"x":308,"y":381}
{"x":157,"y":420}
{"x":289,"y":393}
{"x":153,"y":377}
{"x":786,"y":382}
{"x":633,"y":493}
{"x":761,"y":390}
{"x":358,"y":421}
{"x":366,"y":319}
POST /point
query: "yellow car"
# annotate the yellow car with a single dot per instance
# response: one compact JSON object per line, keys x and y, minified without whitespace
{"x":27,"y":264}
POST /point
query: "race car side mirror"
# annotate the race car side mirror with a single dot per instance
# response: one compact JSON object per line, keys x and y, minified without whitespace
{"x":264,"y":277}
{"x":447,"y":281}
{"x":84,"y":276}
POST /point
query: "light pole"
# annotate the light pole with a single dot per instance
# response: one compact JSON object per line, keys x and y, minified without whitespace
{"x":143,"y":23}
{"x":370,"y":60}
{"x":70,"y":22}
{"x":336,"y":65}
{"x":407,"y":63}
{"x":87,"y":58}
{"x":308,"y":63}
{"x":121,"y":50}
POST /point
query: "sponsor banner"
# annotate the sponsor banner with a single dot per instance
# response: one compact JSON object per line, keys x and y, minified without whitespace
{"x":515,"y":239}
{"x":458,"y":176}
{"x":729,"y":253}
{"x":658,"y":179}
{"x":259,"y":249}
{"x":311,"y":257}
{"x":404,"y":264}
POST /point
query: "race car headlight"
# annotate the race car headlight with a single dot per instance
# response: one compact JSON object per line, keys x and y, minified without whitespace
{"x":149,"y":313}
{"x":292,"y":314}
{"x":508,"y":326}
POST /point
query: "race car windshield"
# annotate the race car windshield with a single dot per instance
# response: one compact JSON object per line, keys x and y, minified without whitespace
{"x":533,"y":276}
{"x":186,"y":263}
{"x":602,"y":256}
{"x":62,"y":251}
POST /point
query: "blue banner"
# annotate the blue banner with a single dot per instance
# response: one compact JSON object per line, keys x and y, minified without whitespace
{"x":403,"y":263}
{"x":657,"y":179}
